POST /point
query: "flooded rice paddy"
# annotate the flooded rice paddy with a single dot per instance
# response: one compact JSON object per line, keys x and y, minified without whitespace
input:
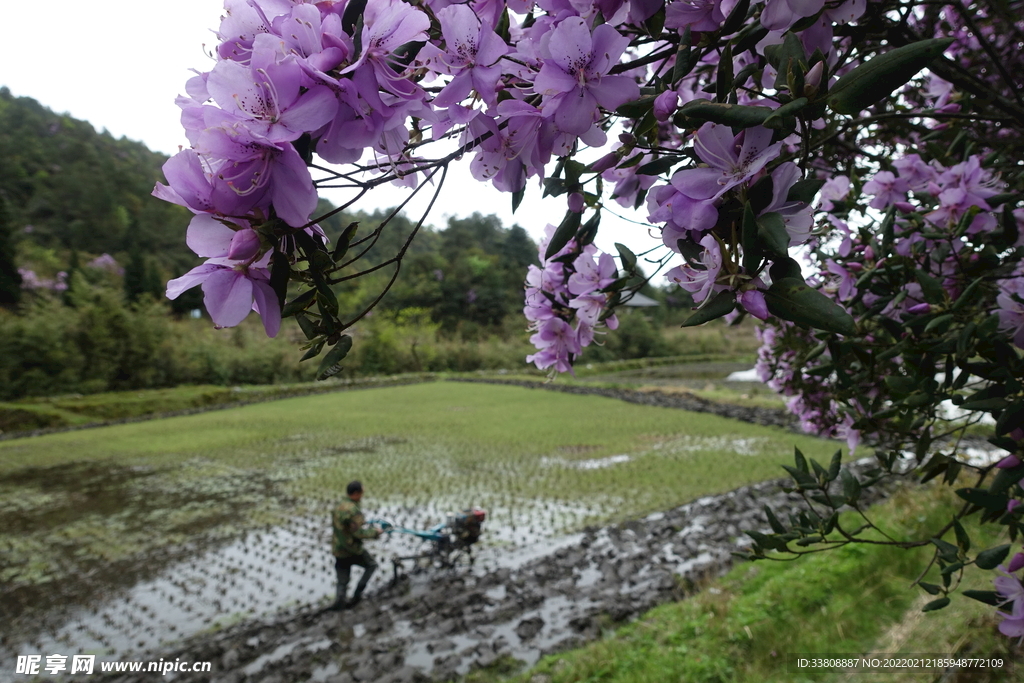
{"x":122,"y":550}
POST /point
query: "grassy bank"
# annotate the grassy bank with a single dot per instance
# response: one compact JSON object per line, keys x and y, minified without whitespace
{"x":747,"y":626}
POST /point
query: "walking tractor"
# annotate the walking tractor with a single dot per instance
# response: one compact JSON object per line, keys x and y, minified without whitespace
{"x":449,"y":542}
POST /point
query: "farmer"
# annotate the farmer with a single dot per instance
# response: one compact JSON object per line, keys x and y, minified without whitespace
{"x":347,"y":546}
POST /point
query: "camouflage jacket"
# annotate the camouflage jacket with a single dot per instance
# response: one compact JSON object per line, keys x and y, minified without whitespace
{"x":349,"y":532}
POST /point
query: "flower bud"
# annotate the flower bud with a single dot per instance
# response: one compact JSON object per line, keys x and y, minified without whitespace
{"x":918,"y":309}
{"x":812,"y":81}
{"x":665,"y":105}
{"x":1015,"y":563}
{"x":604,"y":163}
{"x":576,"y":202}
{"x":1009,"y":462}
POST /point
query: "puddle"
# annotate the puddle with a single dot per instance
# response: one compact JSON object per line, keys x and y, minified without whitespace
{"x":602,"y":462}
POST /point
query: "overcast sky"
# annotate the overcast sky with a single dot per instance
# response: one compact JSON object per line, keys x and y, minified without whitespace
{"x":119,"y":64}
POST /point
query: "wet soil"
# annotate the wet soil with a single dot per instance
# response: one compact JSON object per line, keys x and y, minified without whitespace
{"x":439,"y":625}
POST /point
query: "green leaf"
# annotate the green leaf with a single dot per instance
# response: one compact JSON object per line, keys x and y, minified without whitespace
{"x":329,"y":365}
{"x":947,"y":551}
{"x":658,"y":166}
{"x":684,"y":61}
{"x":803,"y":479}
{"x":627,"y":257}
{"x":770,"y":542}
{"x":804,"y":190}
{"x":772,"y":234}
{"x":690,"y":250}
{"x":722,"y":304}
{"x":313,"y":351}
{"x":517,"y":198}
{"x":736,"y":17}
{"x":962,"y":539}
{"x":725,"y":74}
{"x":881,"y":76}
{"x":751,"y":252}
{"x":775,"y":121}
{"x":991,"y":558}
{"x":773,"y":521}
{"x":1011,"y":418}
{"x":502,"y":29}
{"x":1005,"y":478}
{"x":935,"y":605}
{"x":637,"y":108}
{"x":280,"y":273}
{"x":900,"y":385}
{"x":306,"y":325}
{"x":820,"y":473}
{"x":298,"y":304}
{"x":566,"y":231}
{"x":785,"y":57}
{"x":734,"y":115}
{"x":851,"y":486}
{"x":930,"y":587}
{"x":968,"y":294}
{"x":791,"y":299}
{"x":554,"y":187}
{"x":785,"y":268}
{"x":325,"y":295}
{"x":939,"y":321}
{"x":988,"y":597}
{"x":800,"y":459}
{"x":341,"y":248}
{"x":588,"y":232}
{"x":353,"y":11}
{"x":835,"y":466}
{"x":931,"y":288}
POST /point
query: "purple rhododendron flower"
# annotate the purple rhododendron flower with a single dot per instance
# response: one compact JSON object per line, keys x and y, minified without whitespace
{"x":231,"y":289}
{"x":555,"y":341}
{"x":574,"y":79}
{"x":272,"y":95}
{"x":732,"y":160}
{"x":262,"y":171}
{"x":1010,"y":303}
{"x":754,"y":303}
{"x":886,"y":188}
{"x":1010,"y":588}
{"x":699,"y":278}
{"x":835,"y":189}
{"x":472,"y":50}
{"x":699,"y":15}
{"x":779,"y":15}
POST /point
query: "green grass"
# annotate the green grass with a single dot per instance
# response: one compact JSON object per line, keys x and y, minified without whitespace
{"x":74,"y":410}
{"x":741,"y":628}
{"x":506,"y":438}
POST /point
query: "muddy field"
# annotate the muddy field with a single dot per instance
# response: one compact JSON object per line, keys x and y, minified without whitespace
{"x":438,"y":625}
{"x":222,"y":559}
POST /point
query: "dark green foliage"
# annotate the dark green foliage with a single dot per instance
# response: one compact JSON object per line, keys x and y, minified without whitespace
{"x":469,"y":276}
{"x":69,"y":187}
{"x":10,"y":279}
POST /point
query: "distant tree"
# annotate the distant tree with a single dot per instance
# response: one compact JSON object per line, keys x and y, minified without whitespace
{"x":10,"y":278}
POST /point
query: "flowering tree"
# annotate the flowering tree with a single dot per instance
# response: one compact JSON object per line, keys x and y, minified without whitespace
{"x":877,"y":140}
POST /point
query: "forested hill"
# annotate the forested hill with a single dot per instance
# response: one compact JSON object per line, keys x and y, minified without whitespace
{"x":73,"y":194}
{"x":70,"y":188}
